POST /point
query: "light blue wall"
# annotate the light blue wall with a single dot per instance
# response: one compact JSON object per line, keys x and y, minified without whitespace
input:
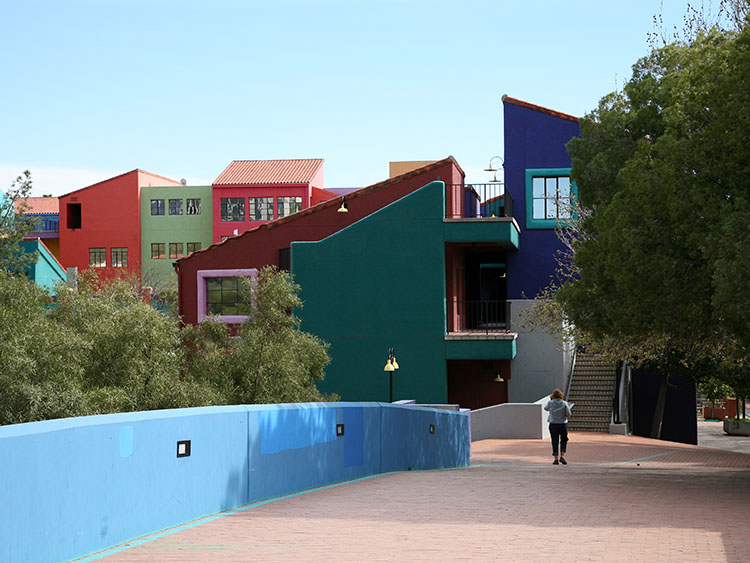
{"x":76,"y":486}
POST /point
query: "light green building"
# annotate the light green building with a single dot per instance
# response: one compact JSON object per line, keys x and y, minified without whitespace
{"x":175,"y":221}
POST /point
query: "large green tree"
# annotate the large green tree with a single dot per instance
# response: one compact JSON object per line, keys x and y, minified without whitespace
{"x":659,"y":271}
{"x":102,"y":348}
{"x":665,"y":166}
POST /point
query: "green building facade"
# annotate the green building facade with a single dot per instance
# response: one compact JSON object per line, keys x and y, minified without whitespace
{"x":387,"y":281}
{"x":175,"y":221}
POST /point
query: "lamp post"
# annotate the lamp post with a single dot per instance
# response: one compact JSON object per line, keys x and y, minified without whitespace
{"x":390,"y":366}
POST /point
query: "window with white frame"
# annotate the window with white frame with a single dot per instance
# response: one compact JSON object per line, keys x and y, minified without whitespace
{"x":222,"y":294}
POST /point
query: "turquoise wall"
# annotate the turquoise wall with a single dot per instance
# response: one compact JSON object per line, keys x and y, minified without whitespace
{"x":76,"y":486}
{"x":377,"y":284}
{"x":46,"y":272}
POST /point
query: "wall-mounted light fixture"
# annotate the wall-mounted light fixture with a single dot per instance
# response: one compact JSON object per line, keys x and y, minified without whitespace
{"x":495,"y":170}
{"x":343,"y":208}
{"x":390,"y":366}
{"x":498,"y":377}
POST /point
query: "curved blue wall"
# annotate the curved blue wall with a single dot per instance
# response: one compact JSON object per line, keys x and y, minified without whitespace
{"x":76,"y":486}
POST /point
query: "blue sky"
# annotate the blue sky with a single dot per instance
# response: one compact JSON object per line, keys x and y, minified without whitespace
{"x":95,"y":88}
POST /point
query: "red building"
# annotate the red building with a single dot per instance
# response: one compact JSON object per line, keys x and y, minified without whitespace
{"x":100,"y":225}
{"x":250,"y":193}
{"x":269,"y":243}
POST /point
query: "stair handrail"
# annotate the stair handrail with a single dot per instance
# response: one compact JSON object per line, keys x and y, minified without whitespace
{"x":570,"y":372}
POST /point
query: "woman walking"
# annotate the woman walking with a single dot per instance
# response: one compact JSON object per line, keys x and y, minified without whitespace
{"x":559,"y":411}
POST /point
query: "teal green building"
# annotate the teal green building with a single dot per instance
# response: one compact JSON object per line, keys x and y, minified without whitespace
{"x":408,"y":277}
{"x":175,"y":221}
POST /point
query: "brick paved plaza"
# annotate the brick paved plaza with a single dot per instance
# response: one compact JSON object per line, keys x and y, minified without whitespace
{"x":621,"y":498}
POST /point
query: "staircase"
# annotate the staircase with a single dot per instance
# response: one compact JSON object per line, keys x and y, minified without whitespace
{"x":591,"y":389}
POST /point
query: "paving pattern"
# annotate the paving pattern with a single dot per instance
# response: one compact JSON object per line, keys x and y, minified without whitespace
{"x":621,"y":498}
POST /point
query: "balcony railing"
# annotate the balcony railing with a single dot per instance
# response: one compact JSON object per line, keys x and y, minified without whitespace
{"x":479,"y":316}
{"x":472,"y":201}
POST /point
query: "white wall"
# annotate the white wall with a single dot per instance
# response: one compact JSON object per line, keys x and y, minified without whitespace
{"x":541,"y":364}
{"x":510,"y":420}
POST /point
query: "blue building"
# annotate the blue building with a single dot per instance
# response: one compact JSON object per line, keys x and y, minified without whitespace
{"x":537,"y":176}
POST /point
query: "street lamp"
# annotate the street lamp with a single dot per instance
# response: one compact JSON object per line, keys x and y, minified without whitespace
{"x":390,"y":366}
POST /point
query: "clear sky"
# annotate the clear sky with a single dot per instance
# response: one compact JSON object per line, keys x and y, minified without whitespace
{"x":94,"y":88}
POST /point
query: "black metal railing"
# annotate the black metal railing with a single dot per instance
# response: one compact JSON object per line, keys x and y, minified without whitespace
{"x":480,"y":316}
{"x":471,"y":201}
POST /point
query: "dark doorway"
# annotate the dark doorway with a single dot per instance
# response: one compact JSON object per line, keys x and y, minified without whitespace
{"x":475,"y":384}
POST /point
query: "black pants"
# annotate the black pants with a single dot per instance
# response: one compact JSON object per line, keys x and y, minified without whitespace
{"x":558,"y":432}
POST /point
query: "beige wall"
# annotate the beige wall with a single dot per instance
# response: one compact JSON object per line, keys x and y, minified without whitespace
{"x":404,"y":166}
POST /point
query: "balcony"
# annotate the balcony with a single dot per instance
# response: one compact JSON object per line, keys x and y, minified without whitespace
{"x":477,"y":201}
{"x":479,"y":330}
{"x":480,"y":213}
{"x":478,"y":317}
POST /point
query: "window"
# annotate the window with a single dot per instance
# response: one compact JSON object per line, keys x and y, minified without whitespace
{"x":285,"y":259}
{"x":288,"y":205}
{"x":232,"y":209}
{"x":119,"y":257}
{"x":225,"y":296}
{"x":549,"y":196}
{"x":261,"y":209}
{"x":157,"y":250}
{"x":157,"y":207}
{"x":175,"y":207}
{"x":74,"y":215}
{"x":97,"y":257}
{"x":194,"y":206}
{"x":193,"y":246}
{"x":175,"y":250}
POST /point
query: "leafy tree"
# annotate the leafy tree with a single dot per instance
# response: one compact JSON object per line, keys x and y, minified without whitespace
{"x":40,"y":376}
{"x":659,"y":260}
{"x":14,"y":225}
{"x":267,"y":359}
{"x":104,"y":348}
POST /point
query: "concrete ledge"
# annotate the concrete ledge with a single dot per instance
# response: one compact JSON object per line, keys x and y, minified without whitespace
{"x":509,"y":420}
{"x":618,"y":428}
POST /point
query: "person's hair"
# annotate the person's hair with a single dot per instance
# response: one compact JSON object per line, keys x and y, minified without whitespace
{"x":556,"y":394}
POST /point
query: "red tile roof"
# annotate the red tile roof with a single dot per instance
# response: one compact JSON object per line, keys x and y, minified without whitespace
{"x":541,"y":109}
{"x":287,"y":171}
{"x":39,"y":205}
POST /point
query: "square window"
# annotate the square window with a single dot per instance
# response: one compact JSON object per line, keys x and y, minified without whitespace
{"x":193,"y":246}
{"x":157,"y":207}
{"x":97,"y":257}
{"x":260,"y":208}
{"x":119,"y":257}
{"x":175,"y":207}
{"x":232,"y":209}
{"x":175,"y":250}
{"x":194,"y":206}
{"x":158,"y":250}
{"x":226,"y":296}
{"x":549,"y":196}
{"x":288,"y":205}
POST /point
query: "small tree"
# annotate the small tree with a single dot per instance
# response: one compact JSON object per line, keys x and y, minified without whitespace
{"x":14,"y":226}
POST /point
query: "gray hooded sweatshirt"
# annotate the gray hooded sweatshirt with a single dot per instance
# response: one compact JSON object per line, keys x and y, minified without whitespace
{"x":559,"y":411}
